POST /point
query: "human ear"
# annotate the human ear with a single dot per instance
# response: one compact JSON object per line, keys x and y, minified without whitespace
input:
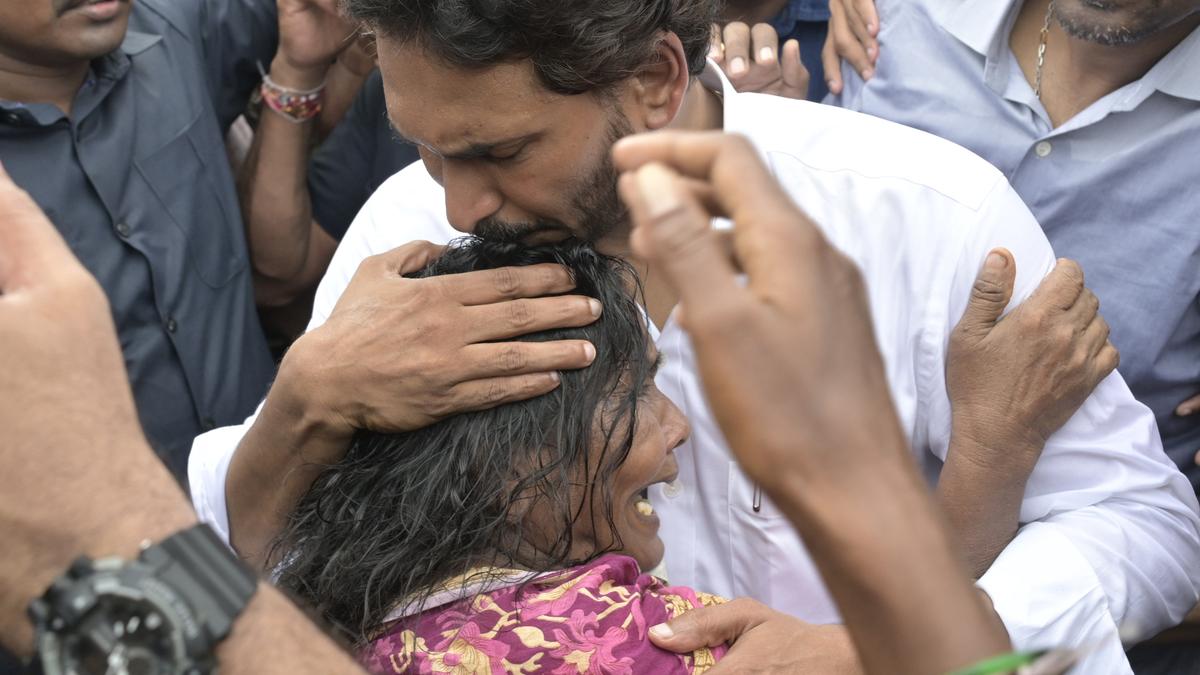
{"x":659,"y":87}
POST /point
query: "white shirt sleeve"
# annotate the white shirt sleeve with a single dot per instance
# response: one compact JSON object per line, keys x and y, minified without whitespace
{"x":1109,"y":547}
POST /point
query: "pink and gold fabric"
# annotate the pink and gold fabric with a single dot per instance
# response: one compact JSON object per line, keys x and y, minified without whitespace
{"x":589,"y":619}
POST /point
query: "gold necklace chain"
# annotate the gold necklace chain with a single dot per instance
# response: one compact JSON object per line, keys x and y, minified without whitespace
{"x":1041,"y":54}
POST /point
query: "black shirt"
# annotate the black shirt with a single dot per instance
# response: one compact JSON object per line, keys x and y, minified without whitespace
{"x":138,"y":183}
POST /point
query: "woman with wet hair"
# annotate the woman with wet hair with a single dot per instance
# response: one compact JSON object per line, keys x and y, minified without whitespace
{"x":510,"y":539}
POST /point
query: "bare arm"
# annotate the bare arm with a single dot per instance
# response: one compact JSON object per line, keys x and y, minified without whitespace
{"x":288,"y":249}
{"x":1013,"y":382}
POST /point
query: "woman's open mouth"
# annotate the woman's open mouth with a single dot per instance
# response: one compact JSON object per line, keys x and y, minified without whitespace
{"x":642,"y":503}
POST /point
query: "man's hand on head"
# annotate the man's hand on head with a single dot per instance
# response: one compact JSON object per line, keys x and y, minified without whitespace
{"x":398,"y":354}
{"x":760,"y":639}
{"x":78,"y":476}
{"x":754,"y":61}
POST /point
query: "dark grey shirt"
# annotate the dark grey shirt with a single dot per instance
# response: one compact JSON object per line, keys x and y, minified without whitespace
{"x":138,"y":183}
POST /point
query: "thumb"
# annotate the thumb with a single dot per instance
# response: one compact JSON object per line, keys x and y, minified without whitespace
{"x":992,"y":290}
{"x":709,"y":626}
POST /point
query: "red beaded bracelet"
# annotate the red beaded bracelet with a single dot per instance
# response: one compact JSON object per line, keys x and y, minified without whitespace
{"x":294,"y":105}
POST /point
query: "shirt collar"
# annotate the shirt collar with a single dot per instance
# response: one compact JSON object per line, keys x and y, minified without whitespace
{"x":115,"y":64}
{"x":137,"y":42}
{"x":714,"y":79}
{"x":984,"y":26}
{"x":110,"y":67}
{"x":1178,"y":73}
{"x":979,"y":24}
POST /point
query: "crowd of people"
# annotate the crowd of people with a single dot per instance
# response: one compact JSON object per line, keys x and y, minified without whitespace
{"x":614,"y":336}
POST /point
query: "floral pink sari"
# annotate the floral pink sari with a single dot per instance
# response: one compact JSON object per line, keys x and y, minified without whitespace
{"x":589,"y":619}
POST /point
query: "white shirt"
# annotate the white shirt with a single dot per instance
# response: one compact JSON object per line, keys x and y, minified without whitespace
{"x":1111,"y":537}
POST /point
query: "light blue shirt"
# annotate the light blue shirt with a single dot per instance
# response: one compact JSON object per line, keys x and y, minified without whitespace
{"x":1116,"y":188}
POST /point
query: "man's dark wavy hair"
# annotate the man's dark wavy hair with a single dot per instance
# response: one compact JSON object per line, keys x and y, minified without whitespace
{"x":403,"y":513}
{"x":576,"y":46}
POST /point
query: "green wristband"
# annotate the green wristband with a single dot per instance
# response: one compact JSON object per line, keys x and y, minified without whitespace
{"x":1000,"y":665}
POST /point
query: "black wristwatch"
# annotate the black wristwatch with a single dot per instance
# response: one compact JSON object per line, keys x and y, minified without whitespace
{"x":162,"y":614}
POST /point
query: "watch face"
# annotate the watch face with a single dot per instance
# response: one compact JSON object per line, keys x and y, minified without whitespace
{"x":126,"y":625}
{"x":124,"y":636}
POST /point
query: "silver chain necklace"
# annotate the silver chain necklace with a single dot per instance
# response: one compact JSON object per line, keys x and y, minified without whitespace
{"x":1041,"y":59}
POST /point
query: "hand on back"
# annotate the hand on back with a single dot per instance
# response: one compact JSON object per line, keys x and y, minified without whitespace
{"x":1014,"y":381}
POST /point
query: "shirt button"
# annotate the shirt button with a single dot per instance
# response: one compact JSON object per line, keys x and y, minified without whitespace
{"x":123,"y":229}
{"x":1043,"y":149}
{"x":673,"y":489}
{"x":208,"y":424}
{"x":172,"y":326}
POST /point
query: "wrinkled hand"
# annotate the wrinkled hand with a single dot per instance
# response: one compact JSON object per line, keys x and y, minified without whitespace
{"x":1015,"y":381}
{"x":312,"y":33}
{"x":761,"y":640}
{"x":78,"y":475}
{"x":853,"y":28}
{"x":750,"y":58}
{"x":788,"y":357}
{"x":398,"y":354}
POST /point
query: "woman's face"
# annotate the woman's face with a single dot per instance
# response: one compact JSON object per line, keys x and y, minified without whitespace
{"x":661,"y":427}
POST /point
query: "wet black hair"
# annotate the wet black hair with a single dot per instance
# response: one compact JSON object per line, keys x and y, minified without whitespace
{"x":403,"y":513}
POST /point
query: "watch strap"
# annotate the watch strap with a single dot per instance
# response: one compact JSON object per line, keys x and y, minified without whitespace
{"x":206,"y":574}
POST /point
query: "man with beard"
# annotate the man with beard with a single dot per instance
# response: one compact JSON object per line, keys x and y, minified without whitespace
{"x":1092,"y":110}
{"x":1093,"y":113}
{"x":514,"y":107}
{"x":112,"y":115}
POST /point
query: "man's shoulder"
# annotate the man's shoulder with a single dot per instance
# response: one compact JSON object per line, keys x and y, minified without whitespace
{"x":410,"y":189}
{"x":409,"y":206}
{"x":831,"y":142}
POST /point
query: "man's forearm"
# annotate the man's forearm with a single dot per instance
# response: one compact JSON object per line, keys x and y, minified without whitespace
{"x":285,"y":450}
{"x":274,"y":191}
{"x":886,"y":556}
{"x":981,"y":501}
